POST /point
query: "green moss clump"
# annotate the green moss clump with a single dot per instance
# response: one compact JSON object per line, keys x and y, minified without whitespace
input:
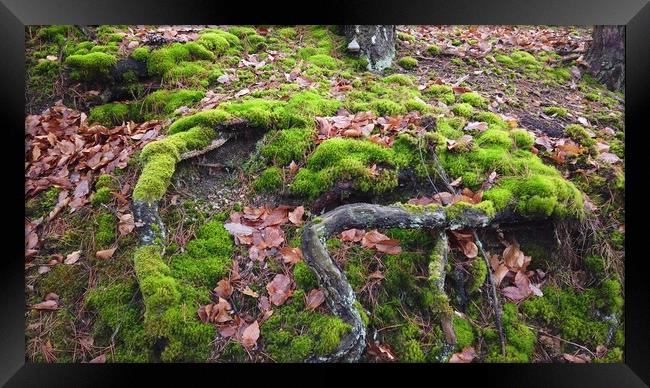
{"x":520,"y":338}
{"x":305,"y":278}
{"x":492,"y":119}
{"x":324,"y":60}
{"x":478,"y":273}
{"x":579,"y":134}
{"x":270,"y":181}
{"x":403,"y":36}
{"x":215,"y":42}
{"x":106,"y":229}
{"x":400,"y":79}
{"x":556,"y":110}
{"x":91,"y":66}
{"x":595,"y":264}
{"x":114,"y":113}
{"x":102,"y":196}
{"x":444,"y":93}
{"x":495,"y":138}
{"x":141,"y":54}
{"x":463,"y":109}
{"x":386,"y":107}
{"x":574,"y":313}
{"x":618,"y":239}
{"x":339,"y":159}
{"x":522,"y":138}
{"x":474,"y":99}
{"x":165,"y":58}
{"x":287,"y":145}
{"x":433,"y":50}
{"x":68,"y":281}
{"x":287,"y":32}
{"x":116,"y":308}
{"x":464,"y":332}
{"x":408,"y":63}
{"x":293,"y":333}
{"x":412,"y":352}
{"x":160,"y":158}
{"x":167,"y":101}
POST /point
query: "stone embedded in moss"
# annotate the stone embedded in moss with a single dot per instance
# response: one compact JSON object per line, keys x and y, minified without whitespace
{"x":408,"y":63}
{"x":271,"y":180}
{"x":91,"y":66}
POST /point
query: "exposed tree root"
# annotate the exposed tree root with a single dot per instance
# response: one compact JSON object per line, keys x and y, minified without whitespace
{"x":340,"y":296}
{"x":216,"y":143}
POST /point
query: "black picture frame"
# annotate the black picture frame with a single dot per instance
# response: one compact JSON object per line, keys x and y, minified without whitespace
{"x":16,"y":14}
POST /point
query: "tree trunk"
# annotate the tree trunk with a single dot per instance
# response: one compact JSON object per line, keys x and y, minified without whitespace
{"x":606,"y":56}
{"x":374,"y":43}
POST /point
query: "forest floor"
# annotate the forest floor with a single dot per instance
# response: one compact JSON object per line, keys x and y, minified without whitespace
{"x":508,"y":112}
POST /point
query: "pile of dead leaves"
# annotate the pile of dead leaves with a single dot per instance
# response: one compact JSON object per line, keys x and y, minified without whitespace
{"x":510,"y":271}
{"x":63,"y":151}
{"x":366,"y":125}
{"x":260,"y":228}
{"x":372,"y":240}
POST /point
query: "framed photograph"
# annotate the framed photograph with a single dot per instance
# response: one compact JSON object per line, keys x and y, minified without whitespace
{"x":206,"y":190}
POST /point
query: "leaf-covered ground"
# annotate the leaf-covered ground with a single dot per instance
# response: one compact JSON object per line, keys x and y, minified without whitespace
{"x":505,"y":117}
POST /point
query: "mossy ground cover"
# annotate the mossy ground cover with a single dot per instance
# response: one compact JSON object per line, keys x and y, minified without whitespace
{"x":227,"y":75}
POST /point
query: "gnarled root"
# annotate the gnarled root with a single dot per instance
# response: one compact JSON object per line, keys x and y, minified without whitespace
{"x":340,"y":296}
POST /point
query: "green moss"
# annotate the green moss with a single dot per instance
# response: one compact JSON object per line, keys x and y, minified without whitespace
{"x":400,"y":79}
{"x":215,"y":42}
{"x":408,"y":63}
{"x":105,"y":234}
{"x":271,"y":180}
{"x":386,"y":107}
{"x":305,"y":278}
{"x":114,"y":113}
{"x":522,"y":138}
{"x":339,"y":159}
{"x":617,"y":239}
{"x":190,"y":74}
{"x":67,"y":281}
{"x":231,"y":38}
{"x":141,"y":54}
{"x":91,"y":66}
{"x":412,"y":352}
{"x":574,"y":313}
{"x":501,"y":198}
{"x":463,"y":109}
{"x":160,"y":160}
{"x":42,"y":204}
{"x":198,"y":51}
{"x":55,"y":33}
{"x":595,"y":264}
{"x":166,"y":101}
{"x":164,"y":59}
{"x":474,"y":99}
{"x":101,"y":196}
{"x":579,"y":134}
{"x":495,"y":138}
{"x":328,"y":330}
{"x":324,"y":60}
{"x":492,"y":119}
{"x":556,"y":110}
{"x":444,"y":93}
{"x":288,"y":32}
{"x":478,"y":273}
{"x":117,"y":307}
{"x":433,"y":50}
{"x":464,"y":332}
{"x":403,"y":36}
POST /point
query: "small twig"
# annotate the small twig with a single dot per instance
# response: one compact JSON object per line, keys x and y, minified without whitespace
{"x":214,"y":145}
{"x":563,"y":340}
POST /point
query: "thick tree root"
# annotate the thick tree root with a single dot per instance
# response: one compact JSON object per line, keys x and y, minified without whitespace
{"x":340,"y":296}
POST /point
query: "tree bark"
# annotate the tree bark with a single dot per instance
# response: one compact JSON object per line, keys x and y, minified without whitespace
{"x":606,"y":56}
{"x":374,"y":43}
